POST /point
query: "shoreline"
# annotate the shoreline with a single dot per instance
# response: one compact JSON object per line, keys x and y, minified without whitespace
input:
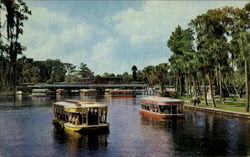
{"x":218,"y":111}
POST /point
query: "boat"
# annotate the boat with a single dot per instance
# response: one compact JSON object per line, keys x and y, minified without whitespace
{"x":40,"y":92}
{"x":80,"y":116}
{"x":88,"y":92}
{"x":60,"y":91}
{"x":162,"y":107}
{"x":107,"y":91}
{"x":123,"y":93}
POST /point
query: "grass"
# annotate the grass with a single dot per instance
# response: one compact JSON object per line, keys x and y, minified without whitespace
{"x":229,"y":104}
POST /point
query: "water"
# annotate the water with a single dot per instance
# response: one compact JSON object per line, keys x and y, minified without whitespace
{"x":26,"y":130}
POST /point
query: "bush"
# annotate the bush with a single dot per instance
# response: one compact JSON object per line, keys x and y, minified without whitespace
{"x":171,"y":94}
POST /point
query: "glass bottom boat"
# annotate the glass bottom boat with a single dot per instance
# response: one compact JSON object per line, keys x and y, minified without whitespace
{"x":123,"y":93}
{"x":80,"y":116}
{"x":161,"y":107}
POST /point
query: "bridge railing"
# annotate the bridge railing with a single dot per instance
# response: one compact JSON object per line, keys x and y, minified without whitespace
{"x":83,"y":85}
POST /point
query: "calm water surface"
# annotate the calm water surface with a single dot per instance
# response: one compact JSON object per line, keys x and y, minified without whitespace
{"x":26,"y":130}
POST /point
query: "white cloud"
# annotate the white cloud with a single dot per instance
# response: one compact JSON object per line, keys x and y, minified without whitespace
{"x":55,"y":34}
{"x":51,"y":34}
{"x":102,"y":55}
{"x":103,"y":49}
{"x":157,"y":19}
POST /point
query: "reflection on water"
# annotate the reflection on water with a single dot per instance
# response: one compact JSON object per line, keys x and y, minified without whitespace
{"x":26,"y":130}
{"x":75,"y":141}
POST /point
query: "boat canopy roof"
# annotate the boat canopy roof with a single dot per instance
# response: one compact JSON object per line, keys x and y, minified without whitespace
{"x":40,"y":90}
{"x":74,"y":104}
{"x":162,"y":100}
{"x":87,"y":90}
{"x":122,"y":90}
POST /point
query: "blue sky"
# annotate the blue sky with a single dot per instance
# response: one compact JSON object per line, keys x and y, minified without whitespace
{"x":109,"y":36}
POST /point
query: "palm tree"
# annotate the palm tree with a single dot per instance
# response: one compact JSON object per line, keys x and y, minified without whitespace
{"x":134,"y":69}
{"x":161,"y":72}
{"x":244,"y":45}
{"x":148,"y":73}
{"x":177,"y":66}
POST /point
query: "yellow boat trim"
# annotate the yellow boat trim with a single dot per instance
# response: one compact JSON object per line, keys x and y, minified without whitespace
{"x":72,"y":127}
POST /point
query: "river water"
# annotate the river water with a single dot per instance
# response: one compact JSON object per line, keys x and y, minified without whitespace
{"x":26,"y":130}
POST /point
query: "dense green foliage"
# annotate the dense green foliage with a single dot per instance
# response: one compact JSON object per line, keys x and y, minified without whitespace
{"x":210,"y":53}
{"x":50,"y":71}
{"x":16,"y":12}
{"x":211,"y":57}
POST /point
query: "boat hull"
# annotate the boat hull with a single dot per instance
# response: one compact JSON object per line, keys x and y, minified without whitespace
{"x":161,"y":116}
{"x":81,"y":128}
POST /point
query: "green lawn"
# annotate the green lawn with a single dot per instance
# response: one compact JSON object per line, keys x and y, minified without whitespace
{"x":230,"y":104}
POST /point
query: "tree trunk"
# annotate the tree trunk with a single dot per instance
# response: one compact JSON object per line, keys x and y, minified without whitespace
{"x":162,"y":86}
{"x":205,"y":89}
{"x":229,"y":91}
{"x":180,"y":86}
{"x":187,"y":85}
{"x":236,"y":89}
{"x":175,"y":85}
{"x":220,"y":84}
{"x":247,"y":79}
{"x":195,"y":86}
{"x":198,"y":85}
{"x":190,"y":87}
{"x":211,"y":88}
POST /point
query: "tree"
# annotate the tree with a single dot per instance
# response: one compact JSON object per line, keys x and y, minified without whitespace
{"x":84,"y":71}
{"x":70,"y":68}
{"x":211,"y":41}
{"x":244,"y":44}
{"x":98,"y":79}
{"x":27,"y":72}
{"x":161,"y":73}
{"x":148,"y":73}
{"x":58,"y":73}
{"x":108,"y":74}
{"x":73,"y":77}
{"x":134,"y":70}
{"x":180,"y":42}
{"x":16,"y":12}
{"x":126,"y":77}
{"x":140,"y":77}
{"x":239,"y":45}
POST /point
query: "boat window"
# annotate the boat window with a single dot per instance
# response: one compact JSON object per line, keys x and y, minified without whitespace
{"x":93,"y":117}
{"x":143,"y":106}
{"x":161,"y":109}
{"x":84,"y":118}
{"x":167,"y":109}
{"x":103,"y":116}
{"x":79,"y":119}
{"x":174,"y":109}
{"x":66,"y":116}
{"x":179,"y":109}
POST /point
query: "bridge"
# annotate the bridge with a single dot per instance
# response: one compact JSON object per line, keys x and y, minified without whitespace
{"x":79,"y":85}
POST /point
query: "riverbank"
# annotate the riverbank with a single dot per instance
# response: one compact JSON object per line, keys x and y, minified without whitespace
{"x":229,"y":107}
{"x":219,"y":111}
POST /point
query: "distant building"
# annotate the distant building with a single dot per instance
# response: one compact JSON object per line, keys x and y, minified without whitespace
{"x":104,"y":80}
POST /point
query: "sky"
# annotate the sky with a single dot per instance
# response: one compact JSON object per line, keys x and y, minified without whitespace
{"x":108,"y":36}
